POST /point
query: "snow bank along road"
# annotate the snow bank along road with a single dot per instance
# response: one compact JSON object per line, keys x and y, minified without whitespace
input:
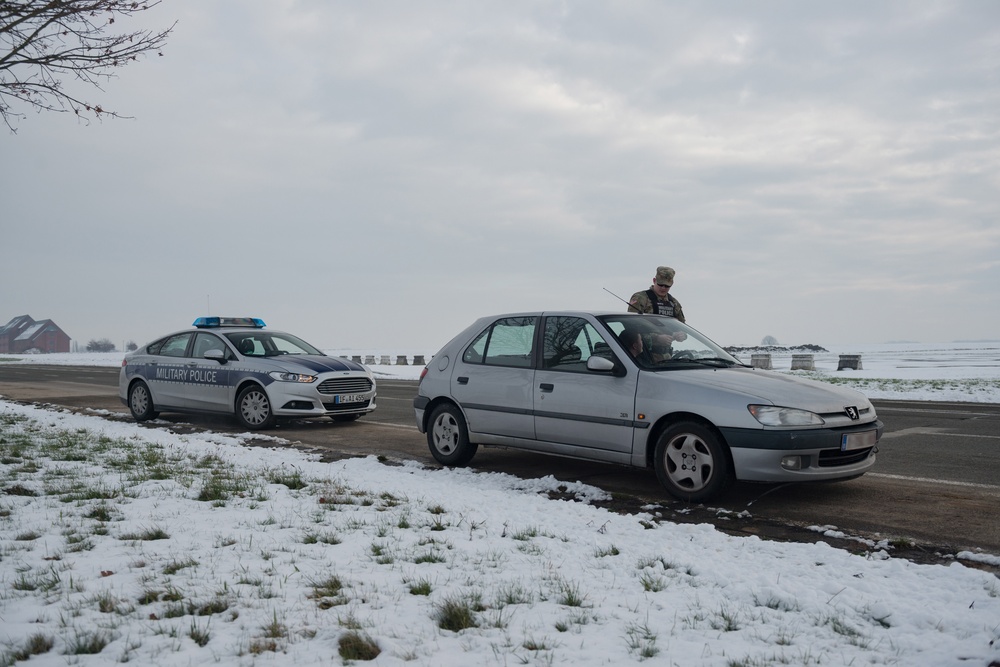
{"x":933,"y":491}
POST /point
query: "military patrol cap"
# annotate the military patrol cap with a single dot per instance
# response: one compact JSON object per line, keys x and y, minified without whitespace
{"x":664,"y":274}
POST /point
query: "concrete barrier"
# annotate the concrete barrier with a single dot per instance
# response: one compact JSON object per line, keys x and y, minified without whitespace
{"x":849,"y":361}
{"x":761,"y":361}
{"x":356,"y":358}
{"x":803,"y":362}
{"x":370,"y":360}
{"x":384,"y":361}
{"x":401,"y":360}
{"x":418,"y":360}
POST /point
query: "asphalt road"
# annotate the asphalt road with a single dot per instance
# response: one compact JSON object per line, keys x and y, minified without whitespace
{"x":933,"y":492}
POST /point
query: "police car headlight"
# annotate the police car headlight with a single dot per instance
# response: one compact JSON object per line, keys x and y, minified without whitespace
{"x":292,"y":377}
{"x":773,"y":415}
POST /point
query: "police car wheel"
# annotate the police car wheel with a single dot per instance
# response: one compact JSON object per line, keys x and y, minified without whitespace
{"x":448,"y":437}
{"x":691,"y":462}
{"x":344,"y":418}
{"x":140,"y":402}
{"x":253,"y":409}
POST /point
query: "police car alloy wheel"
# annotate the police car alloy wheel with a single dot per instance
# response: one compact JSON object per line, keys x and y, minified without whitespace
{"x":140,"y":403}
{"x":253,"y":409}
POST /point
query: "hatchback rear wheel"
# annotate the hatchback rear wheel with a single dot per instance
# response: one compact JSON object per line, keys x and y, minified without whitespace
{"x":691,"y":462}
{"x":448,"y":437}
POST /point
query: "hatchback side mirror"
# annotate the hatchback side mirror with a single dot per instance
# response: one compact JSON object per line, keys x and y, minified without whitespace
{"x":600,"y":364}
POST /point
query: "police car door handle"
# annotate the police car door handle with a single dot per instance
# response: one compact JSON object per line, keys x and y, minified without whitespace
{"x":463,"y":380}
{"x":546,"y":386}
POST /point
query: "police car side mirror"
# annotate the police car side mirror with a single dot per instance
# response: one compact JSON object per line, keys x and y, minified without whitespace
{"x":217,"y":355}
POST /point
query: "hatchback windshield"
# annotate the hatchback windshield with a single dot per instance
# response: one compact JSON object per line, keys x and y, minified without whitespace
{"x":269,"y":344}
{"x":663,"y":343}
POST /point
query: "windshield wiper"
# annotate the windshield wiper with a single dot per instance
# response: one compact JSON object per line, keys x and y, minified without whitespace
{"x":712,"y":362}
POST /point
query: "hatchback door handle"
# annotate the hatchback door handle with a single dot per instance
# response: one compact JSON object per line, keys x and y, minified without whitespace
{"x":463,"y":380}
{"x":546,"y":386}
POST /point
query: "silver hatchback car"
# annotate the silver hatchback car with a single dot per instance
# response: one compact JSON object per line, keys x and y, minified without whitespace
{"x":639,"y":390}
{"x":232,"y":366}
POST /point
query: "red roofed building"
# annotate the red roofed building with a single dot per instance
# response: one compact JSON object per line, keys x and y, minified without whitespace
{"x":23,"y":334}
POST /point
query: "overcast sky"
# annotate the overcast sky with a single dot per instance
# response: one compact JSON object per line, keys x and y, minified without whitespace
{"x":382,"y":173}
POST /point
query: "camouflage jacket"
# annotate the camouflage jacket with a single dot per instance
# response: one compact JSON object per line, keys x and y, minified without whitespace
{"x":641,"y":303}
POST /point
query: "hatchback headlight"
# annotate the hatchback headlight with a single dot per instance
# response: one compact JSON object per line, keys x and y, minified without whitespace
{"x":292,"y":377}
{"x":773,"y":415}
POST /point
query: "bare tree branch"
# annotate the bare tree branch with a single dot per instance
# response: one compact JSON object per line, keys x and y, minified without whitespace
{"x":44,"y":41}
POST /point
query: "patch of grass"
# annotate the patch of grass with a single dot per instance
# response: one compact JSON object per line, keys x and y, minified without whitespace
{"x":321,"y":538}
{"x":569,"y":594}
{"x":422,"y":587}
{"x":215,"y":606}
{"x":432,"y":556}
{"x":456,"y":613}
{"x":293,"y":480}
{"x":199,"y":635}
{"x":354,"y":645}
{"x":147,"y":535}
{"x":20,"y":490}
{"x":641,"y":641}
{"x":36,"y":644}
{"x":88,"y":643}
{"x":727,"y":620}
{"x":328,"y":592}
{"x":652,"y":583}
{"x":176,"y":566}
{"x":513,"y":593}
{"x":381,"y":554}
{"x":606,"y":551}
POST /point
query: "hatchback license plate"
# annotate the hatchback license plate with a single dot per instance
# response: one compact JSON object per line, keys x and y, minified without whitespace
{"x":348,"y":398}
{"x":861,"y":440}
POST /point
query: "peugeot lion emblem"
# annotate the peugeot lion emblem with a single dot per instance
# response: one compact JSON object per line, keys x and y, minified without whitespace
{"x":852,"y":412}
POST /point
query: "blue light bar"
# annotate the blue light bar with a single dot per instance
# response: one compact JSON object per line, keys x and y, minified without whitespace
{"x":214,"y":322}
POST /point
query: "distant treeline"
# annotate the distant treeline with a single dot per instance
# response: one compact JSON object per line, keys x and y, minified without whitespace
{"x":734,"y":349}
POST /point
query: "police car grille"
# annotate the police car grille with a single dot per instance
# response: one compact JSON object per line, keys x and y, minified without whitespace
{"x":831,"y":458}
{"x":345,"y":386}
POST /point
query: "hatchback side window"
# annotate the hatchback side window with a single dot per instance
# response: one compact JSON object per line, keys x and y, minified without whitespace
{"x":175,"y":346}
{"x":507,"y":342}
{"x":568,"y":342}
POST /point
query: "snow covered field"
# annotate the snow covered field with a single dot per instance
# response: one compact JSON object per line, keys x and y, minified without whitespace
{"x":122,"y":543}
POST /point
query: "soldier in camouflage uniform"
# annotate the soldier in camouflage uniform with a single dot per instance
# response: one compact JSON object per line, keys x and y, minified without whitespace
{"x":658,"y":301}
{"x":657,"y":298}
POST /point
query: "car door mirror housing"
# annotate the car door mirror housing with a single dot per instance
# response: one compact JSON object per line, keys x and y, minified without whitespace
{"x":217,"y":355}
{"x":600,"y":364}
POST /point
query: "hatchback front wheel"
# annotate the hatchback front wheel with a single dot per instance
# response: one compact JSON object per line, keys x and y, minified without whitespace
{"x":691,"y":462}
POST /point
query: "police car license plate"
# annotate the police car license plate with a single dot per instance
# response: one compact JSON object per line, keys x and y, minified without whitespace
{"x":348,"y":398}
{"x":861,"y":440}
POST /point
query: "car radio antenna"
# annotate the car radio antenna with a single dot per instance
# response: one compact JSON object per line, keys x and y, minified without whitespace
{"x":617,"y":297}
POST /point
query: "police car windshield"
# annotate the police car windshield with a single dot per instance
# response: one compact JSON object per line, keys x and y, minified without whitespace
{"x":269,"y":344}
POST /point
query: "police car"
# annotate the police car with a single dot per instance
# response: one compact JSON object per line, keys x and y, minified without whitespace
{"x":233,"y":366}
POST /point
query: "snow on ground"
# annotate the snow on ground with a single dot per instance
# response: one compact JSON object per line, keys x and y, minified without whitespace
{"x":124,"y":543}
